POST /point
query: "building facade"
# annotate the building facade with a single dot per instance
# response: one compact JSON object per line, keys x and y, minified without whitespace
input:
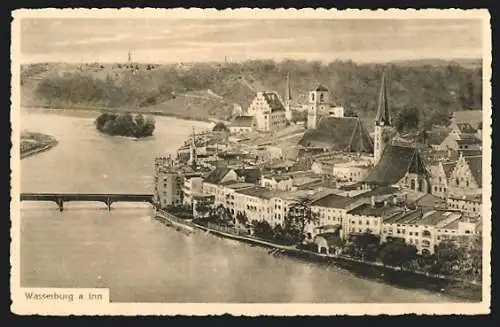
{"x":168,"y":183}
{"x":269,"y":112}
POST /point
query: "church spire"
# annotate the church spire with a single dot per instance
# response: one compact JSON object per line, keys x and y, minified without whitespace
{"x":383,"y":111}
{"x":288,"y":88}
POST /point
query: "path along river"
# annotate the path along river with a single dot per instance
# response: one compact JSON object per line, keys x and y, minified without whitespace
{"x":135,"y":256}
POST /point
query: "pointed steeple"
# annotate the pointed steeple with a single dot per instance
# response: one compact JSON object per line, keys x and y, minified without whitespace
{"x":288,"y":88}
{"x":192,"y":151}
{"x":383,"y":111}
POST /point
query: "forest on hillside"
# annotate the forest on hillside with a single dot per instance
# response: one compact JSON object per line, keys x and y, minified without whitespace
{"x":433,"y":91}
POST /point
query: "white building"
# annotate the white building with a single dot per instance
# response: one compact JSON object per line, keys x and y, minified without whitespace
{"x":319,"y":106}
{"x":269,"y":112}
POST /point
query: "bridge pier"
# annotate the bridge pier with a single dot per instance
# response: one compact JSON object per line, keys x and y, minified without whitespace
{"x":60,"y":204}
{"x":108,"y":203}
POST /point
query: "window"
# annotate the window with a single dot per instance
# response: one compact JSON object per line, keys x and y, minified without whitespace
{"x":411,"y":233}
{"x":467,"y":183}
{"x":416,"y":233}
{"x":457,"y":182}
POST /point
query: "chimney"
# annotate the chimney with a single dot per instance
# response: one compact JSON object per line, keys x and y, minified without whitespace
{"x":372,"y":201}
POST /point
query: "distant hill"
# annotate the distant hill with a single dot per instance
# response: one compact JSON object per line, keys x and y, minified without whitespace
{"x":466,"y":62}
{"x":203,"y":90}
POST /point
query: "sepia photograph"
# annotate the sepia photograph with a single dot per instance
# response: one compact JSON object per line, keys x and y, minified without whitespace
{"x":251,"y":161}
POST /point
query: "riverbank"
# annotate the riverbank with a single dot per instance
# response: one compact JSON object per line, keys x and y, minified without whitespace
{"x":33,"y":143}
{"x":462,"y":290}
{"x":123,"y":110}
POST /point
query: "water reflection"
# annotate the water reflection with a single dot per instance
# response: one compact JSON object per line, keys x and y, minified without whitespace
{"x":137,"y":257}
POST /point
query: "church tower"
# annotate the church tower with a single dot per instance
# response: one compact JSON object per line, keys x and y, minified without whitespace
{"x":318,"y":106}
{"x":288,"y":99}
{"x":383,"y":123}
{"x":192,"y":152}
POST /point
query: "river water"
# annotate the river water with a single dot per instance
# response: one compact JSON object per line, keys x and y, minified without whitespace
{"x":135,"y":256}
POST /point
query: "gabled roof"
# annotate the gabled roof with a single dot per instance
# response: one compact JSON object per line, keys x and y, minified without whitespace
{"x":321,"y":88}
{"x":395,"y":162}
{"x":339,"y":134}
{"x":251,"y":175}
{"x":334,"y":201}
{"x":303,"y":164}
{"x":216,"y":176}
{"x":476,"y":167}
{"x":448,"y":168}
{"x":465,"y":127}
{"x":436,"y":137}
{"x":242,"y":121}
{"x":383,"y":111}
{"x":469,"y":141}
{"x":273,"y":101}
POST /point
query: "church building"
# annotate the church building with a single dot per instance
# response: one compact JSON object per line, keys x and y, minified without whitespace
{"x":329,"y":130}
{"x":394,"y":164}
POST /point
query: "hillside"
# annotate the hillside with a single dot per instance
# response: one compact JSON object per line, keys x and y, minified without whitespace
{"x":205,"y":90}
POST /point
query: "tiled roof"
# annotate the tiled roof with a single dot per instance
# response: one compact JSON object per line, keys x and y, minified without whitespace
{"x":242,"y":121}
{"x":395,"y":162}
{"x":251,"y":175}
{"x":259,"y":192}
{"x":334,"y":201}
{"x":321,"y":88}
{"x":436,"y":137}
{"x":383,"y":110}
{"x":367,"y":209}
{"x":217,"y":175}
{"x":273,"y":101}
{"x":469,"y":140}
{"x":465,"y":127}
{"x":303,"y":164}
{"x":381,"y":190}
{"x":476,"y":168}
{"x":339,"y":134}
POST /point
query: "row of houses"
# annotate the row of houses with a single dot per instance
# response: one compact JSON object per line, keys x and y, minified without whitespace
{"x":383,"y":211}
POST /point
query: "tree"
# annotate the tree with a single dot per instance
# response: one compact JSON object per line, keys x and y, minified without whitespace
{"x":397,"y":253}
{"x":220,"y":127}
{"x":221,"y":215}
{"x":407,"y":119}
{"x":262,"y":229}
{"x":202,"y":209}
{"x":298,"y":217}
{"x":460,"y":257}
{"x":242,"y":218}
{"x":364,"y":246}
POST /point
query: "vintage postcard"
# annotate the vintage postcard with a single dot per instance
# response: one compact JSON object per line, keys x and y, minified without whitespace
{"x":250,"y":162}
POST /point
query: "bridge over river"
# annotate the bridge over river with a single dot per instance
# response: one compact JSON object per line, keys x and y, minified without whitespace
{"x":108,"y":199}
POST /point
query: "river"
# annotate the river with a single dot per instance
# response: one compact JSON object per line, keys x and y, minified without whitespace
{"x":135,"y":256}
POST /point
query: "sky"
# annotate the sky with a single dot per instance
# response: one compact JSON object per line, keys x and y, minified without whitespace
{"x":197,"y":40}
